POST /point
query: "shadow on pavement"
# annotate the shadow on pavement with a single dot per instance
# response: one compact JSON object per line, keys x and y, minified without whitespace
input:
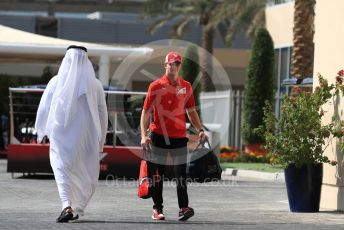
{"x":172,"y":222}
{"x":36,"y":176}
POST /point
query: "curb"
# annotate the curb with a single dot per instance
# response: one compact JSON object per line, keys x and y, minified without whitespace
{"x":278,"y":176}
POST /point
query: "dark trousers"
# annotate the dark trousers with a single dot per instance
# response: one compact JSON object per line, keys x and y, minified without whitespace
{"x":177,"y":149}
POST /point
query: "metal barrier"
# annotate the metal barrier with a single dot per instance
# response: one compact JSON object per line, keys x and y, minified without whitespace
{"x":25,"y":156}
{"x":124,"y":108}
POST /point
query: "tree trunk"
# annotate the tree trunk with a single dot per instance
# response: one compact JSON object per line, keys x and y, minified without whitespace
{"x":51,"y":9}
{"x":206,"y":61}
{"x":303,"y":32}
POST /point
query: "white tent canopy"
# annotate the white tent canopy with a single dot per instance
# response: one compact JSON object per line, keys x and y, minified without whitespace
{"x":17,"y":45}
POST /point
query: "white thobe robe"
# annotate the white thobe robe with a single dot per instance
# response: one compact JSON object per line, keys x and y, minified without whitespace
{"x":74,"y":149}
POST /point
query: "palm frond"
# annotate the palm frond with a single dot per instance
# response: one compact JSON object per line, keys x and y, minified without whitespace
{"x":156,"y":7}
{"x":225,"y":15}
{"x":252,"y":18}
{"x":247,"y":15}
{"x":160,"y":23}
{"x":181,"y":26}
{"x":227,"y":10}
{"x":257,"y":22}
{"x":231,"y":32}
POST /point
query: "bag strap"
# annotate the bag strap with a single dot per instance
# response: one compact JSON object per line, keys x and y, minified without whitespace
{"x":147,"y":151}
{"x":201,"y":144}
{"x":206,"y":141}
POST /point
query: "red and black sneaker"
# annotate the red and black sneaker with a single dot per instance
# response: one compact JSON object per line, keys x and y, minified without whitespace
{"x":158,"y":214}
{"x":185,"y":213}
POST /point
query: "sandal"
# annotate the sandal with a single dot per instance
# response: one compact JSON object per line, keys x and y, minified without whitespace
{"x":75,"y":217}
{"x":66,"y":215}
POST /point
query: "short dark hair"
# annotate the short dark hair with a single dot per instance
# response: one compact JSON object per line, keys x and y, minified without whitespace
{"x":77,"y":47}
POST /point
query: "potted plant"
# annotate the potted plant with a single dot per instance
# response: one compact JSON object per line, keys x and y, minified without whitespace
{"x":298,"y":139}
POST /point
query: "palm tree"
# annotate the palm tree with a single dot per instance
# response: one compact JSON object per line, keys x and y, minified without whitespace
{"x":303,"y":33}
{"x":227,"y":16}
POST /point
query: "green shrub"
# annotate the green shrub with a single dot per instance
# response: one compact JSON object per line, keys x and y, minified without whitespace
{"x":259,"y":85}
{"x":190,"y":70}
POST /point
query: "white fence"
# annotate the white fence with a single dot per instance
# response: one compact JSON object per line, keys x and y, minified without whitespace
{"x":216,"y":113}
{"x":222,"y":112}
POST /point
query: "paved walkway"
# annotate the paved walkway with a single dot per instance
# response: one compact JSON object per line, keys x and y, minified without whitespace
{"x":234,"y":203}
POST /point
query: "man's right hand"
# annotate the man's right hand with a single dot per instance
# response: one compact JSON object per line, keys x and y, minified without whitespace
{"x":145,"y":141}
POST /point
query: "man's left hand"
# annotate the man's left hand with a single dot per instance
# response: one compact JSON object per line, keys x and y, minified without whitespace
{"x":202,"y":136}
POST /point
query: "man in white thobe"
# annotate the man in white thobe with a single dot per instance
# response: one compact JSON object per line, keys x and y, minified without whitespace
{"x":72,"y":113}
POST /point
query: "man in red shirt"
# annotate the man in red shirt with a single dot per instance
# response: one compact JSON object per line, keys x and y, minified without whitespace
{"x":169,"y":97}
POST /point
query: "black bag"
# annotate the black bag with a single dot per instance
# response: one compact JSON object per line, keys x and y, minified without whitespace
{"x":203,"y":165}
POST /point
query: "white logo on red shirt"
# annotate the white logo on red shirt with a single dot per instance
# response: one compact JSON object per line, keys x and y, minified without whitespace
{"x":182,"y":91}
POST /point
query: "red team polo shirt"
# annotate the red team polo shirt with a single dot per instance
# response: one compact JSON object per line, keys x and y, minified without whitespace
{"x":169,"y":102}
